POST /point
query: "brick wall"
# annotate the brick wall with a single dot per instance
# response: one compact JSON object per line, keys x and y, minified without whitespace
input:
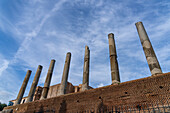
{"x":37,"y":94}
{"x":146,"y":90}
{"x":53,"y":91}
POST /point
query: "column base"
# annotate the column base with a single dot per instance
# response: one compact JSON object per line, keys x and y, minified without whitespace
{"x":115,"y":82}
{"x":84,"y":87}
{"x":156,"y":74}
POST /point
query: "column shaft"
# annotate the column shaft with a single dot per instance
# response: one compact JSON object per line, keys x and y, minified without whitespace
{"x":148,"y":50}
{"x":63,"y":85}
{"x":85,"y":83}
{"x":34,"y":84}
{"x":113,"y":60}
{"x":23,"y":87}
{"x":48,"y":80}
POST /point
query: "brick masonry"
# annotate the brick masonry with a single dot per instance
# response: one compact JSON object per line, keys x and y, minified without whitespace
{"x":154,"y":89}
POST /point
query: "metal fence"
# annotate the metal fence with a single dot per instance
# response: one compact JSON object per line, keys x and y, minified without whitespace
{"x":157,"y":107}
{"x":135,"y":108}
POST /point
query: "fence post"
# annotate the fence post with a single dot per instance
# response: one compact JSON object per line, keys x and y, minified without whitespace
{"x":163,"y":106}
{"x":116,"y":109}
{"x":153,"y":108}
{"x":167,"y":102}
{"x":121,"y":108}
{"x":148,"y":107}
{"x":143,"y":108}
{"x":158,"y":107}
{"x":130,"y":109}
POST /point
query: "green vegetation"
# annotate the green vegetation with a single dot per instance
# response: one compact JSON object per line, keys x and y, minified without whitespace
{"x":2,"y":106}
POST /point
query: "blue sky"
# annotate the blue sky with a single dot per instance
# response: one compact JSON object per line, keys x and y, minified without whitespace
{"x":32,"y":32}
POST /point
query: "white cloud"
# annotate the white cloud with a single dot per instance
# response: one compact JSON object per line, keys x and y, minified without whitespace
{"x":100,"y":85}
{"x":5,"y":95}
{"x":3,"y":66}
{"x":9,"y":28}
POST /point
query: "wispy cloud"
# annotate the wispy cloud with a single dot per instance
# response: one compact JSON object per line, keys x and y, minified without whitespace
{"x":100,"y":85}
{"x":5,"y":95}
{"x":4,"y":65}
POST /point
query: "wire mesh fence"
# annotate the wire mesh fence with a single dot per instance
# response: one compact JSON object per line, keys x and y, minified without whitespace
{"x":163,"y":107}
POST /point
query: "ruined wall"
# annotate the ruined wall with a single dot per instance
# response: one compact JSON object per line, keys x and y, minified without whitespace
{"x":146,"y":90}
{"x":53,"y":91}
{"x":37,"y":94}
{"x":79,"y":88}
{"x":22,"y":101}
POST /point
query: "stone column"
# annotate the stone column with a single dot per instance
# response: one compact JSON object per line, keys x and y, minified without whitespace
{"x":48,"y":80}
{"x":148,"y":50}
{"x":34,"y":84}
{"x":113,"y":60}
{"x":85,"y":83}
{"x":23,"y":87}
{"x":63,"y":85}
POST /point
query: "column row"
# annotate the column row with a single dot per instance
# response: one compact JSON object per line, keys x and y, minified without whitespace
{"x":147,"y":47}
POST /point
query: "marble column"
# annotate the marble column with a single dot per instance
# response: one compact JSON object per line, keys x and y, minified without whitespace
{"x":23,"y":87}
{"x":34,"y":84}
{"x":148,"y":50}
{"x":113,"y":60}
{"x":48,"y":80}
{"x":63,"y":85}
{"x":85,"y":83}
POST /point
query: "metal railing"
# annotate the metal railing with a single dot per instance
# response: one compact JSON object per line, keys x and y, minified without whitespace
{"x":156,"y":107}
{"x":135,"y":108}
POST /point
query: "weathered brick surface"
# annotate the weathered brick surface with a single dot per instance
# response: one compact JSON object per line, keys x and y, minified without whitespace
{"x":146,"y":90}
{"x":53,"y":91}
{"x":37,"y":93}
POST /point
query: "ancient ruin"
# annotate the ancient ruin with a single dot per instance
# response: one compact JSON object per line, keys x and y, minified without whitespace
{"x":63,"y":85}
{"x":151,"y":58}
{"x":34,"y":84}
{"x":48,"y":80}
{"x":22,"y":89}
{"x":113,"y":60}
{"x":145,"y":95}
{"x":85,"y":84}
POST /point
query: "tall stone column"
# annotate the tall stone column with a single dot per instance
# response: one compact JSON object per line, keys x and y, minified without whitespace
{"x":85,"y":83}
{"x":48,"y":80}
{"x":148,"y":50}
{"x":23,"y":87}
{"x":113,"y":60}
{"x":63,"y":85}
{"x":34,"y":84}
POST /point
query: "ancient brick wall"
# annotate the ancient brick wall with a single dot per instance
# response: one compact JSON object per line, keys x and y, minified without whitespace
{"x":146,"y":90}
{"x":79,"y":88}
{"x":53,"y":91}
{"x":22,"y":101}
{"x":37,"y":94}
